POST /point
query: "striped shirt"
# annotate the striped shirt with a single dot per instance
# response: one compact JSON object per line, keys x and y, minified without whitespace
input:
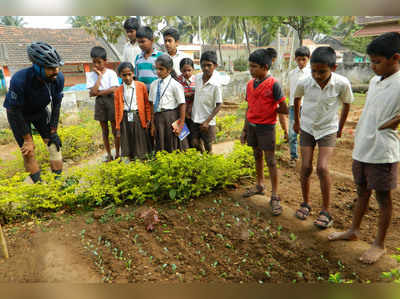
{"x":145,"y":69}
{"x":188,"y":86}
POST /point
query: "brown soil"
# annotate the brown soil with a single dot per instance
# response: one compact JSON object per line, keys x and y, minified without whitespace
{"x":221,"y":237}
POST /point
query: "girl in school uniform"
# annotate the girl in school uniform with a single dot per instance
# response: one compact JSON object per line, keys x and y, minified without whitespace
{"x":168,"y":100}
{"x":132,"y":116}
{"x":188,"y":82}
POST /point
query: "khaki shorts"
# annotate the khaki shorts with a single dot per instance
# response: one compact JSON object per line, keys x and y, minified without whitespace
{"x":380,"y":177}
{"x":309,"y":140}
{"x":104,"y":109}
{"x":261,"y":136}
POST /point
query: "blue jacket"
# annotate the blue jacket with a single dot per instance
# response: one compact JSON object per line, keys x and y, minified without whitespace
{"x":30,"y":95}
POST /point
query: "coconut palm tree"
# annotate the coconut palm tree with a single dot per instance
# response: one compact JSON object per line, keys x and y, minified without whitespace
{"x":12,"y":21}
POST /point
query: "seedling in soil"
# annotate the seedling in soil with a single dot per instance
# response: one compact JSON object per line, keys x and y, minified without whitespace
{"x":280,"y":228}
{"x":173,"y":267}
{"x":220,"y":236}
{"x":134,"y":240}
{"x":300,"y":275}
{"x":129,"y":265}
{"x":13,"y":230}
{"x":165,"y":249}
{"x":224,"y":275}
{"x":227,"y":245}
{"x":215,"y":264}
{"x":341,"y":266}
{"x":292,"y":237}
{"x":82,"y":233}
{"x":44,"y":229}
{"x":251,"y":233}
{"x":203,"y":258}
{"x":337,"y":278}
{"x":228,"y":225}
{"x":267,"y":274}
{"x":142,"y":252}
{"x":202,"y":272}
{"x":104,"y":219}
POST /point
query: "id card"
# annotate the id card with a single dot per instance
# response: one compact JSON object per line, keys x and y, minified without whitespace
{"x":131,"y":116}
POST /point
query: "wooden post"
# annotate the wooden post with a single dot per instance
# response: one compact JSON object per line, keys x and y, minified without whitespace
{"x":3,"y":244}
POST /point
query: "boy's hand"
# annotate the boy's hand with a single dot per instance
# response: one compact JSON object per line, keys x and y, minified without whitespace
{"x":296,"y":127}
{"x":99,"y":73}
{"x":204,"y":126}
{"x":152,"y":129}
{"x":179,"y":129}
{"x":391,"y":124}
{"x":243,"y":137}
{"x":286,"y":136}
{"x":28,"y":147}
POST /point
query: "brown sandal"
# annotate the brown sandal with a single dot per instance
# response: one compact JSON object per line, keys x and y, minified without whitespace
{"x":303,"y":212}
{"x":324,"y":220}
{"x":254,"y":190}
{"x":275,"y":204}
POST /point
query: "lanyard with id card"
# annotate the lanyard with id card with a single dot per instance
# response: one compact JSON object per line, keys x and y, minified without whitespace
{"x":130,"y":114}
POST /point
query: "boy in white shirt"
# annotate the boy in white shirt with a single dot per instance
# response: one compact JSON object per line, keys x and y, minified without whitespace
{"x":171,"y":40}
{"x":322,"y":92}
{"x":302,"y":56}
{"x":131,"y":49}
{"x":207,"y":102}
{"x":102,"y":82}
{"x":376,"y":145}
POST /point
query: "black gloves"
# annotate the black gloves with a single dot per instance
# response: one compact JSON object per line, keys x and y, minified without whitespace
{"x":54,"y":138}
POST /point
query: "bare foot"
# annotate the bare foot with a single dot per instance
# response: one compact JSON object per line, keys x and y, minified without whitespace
{"x":347,"y":235}
{"x":372,"y":254}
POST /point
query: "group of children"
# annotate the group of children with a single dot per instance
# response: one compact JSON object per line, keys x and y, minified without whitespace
{"x":315,"y":94}
{"x":160,"y":96}
{"x":158,"y":99}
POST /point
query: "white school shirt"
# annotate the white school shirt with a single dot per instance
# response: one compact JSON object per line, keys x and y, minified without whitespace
{"x":382,"y":104}
{"x":294,"y":77}
{"x":206,"y":98}
{"x":108,"y":80}
{"x":319,"y":113}
{"x":171,"y":92}
{"x":130,"y":95}
{"x":177,"y":60}
{"x":130,"y":52}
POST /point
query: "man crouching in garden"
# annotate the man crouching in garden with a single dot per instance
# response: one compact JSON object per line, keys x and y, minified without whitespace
{"x":31,"y":90}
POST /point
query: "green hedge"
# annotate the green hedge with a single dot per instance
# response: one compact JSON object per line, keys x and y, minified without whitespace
{"x":178,"y":176}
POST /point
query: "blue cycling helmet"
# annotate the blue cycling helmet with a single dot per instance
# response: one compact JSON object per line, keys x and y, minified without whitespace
{"x":44,"y":55}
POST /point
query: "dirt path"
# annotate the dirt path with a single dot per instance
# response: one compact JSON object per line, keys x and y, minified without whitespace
{"x":42,"y":255}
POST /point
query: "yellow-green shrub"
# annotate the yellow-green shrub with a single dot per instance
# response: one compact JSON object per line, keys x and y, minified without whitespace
{"x":79,"y":141}
{"x":176,"y":176}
